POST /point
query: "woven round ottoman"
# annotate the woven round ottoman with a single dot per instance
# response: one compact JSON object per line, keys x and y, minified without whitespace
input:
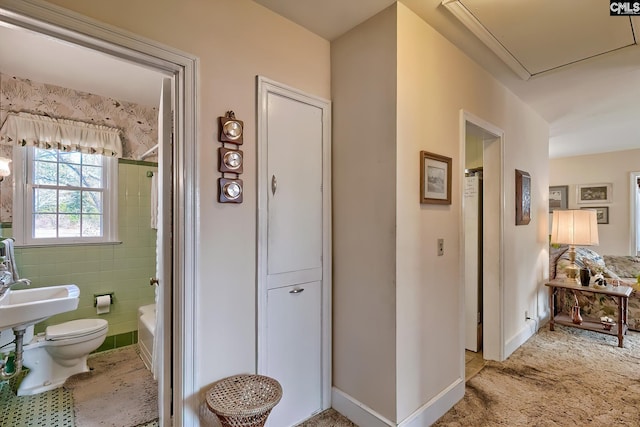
{"x":244,"y":400}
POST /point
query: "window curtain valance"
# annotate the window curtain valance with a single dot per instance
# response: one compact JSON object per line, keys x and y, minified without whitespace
{"x":62,"y":134}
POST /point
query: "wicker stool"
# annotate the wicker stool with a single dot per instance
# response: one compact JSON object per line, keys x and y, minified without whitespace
{"x":244,"y":400}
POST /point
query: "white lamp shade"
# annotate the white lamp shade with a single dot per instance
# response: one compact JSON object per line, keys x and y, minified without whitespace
{"x":4,"y":167}
{"x":574,"y":227}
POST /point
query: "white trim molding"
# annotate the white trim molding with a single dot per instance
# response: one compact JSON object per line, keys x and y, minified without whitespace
{"x":493,"y":319}
{"x":467,"y":19}
{"x":63,"y":24}
{"x":359,"y":413}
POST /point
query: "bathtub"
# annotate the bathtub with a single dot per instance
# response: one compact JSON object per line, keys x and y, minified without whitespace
{"x":146,"y":330}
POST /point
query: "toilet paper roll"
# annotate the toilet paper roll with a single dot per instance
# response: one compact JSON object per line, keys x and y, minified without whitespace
{"x":103,"y":304}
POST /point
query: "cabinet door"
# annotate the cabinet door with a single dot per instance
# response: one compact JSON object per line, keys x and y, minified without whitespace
{"x":294,"y":351}
{"x":294,"y":154}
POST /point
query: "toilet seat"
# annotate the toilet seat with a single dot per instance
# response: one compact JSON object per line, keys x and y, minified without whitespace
{"x":75,"y":329}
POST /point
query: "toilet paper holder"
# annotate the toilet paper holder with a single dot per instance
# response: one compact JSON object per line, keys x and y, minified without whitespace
{"x":95,"y":298}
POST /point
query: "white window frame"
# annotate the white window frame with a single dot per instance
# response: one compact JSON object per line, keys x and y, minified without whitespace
{"x":23,"y":205}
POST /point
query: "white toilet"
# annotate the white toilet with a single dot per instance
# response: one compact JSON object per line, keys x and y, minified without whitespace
{"x":59,"y":352}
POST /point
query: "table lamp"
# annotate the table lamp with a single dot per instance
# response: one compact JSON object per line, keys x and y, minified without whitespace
{"x":574,"y":227}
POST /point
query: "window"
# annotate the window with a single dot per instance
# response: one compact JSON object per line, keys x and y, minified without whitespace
{"x":64,"y":197}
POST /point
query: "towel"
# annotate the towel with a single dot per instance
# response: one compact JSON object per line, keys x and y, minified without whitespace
{"x":10,"y":258}
{"x":154,"y":201}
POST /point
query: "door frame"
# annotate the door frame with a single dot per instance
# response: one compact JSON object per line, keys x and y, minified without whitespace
{"x":493,"y":343}
{"x":633,"y":203}
{"x":66,"y":25}
{"x":264,"y":87}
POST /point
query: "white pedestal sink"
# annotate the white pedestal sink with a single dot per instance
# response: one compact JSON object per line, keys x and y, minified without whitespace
{"x":23,"y":308}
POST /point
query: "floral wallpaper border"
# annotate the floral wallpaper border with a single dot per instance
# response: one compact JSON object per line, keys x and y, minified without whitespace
{"x":138,"y":123}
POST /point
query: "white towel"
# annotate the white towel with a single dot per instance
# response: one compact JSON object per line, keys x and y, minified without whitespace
{"x":10,"y":258}
{"x":154,"y":201}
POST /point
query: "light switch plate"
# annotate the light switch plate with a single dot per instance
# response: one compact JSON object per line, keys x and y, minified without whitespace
{"x":440,"y":247}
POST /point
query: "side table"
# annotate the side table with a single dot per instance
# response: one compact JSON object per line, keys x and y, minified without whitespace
{"x":620,"y":294}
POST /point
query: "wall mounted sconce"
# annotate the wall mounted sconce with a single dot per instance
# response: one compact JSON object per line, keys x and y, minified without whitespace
{"x":230,"y":160}
{"x":4,"y":167}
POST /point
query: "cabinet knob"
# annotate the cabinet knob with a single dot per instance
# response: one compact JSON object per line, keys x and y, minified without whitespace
{"x":296,"y":291}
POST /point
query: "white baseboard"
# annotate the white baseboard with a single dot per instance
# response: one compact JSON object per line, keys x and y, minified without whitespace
{"x":427,"y":414}
{"x":530,"y":328}
{"x":359,"y":413}
{"x":431,"y":411}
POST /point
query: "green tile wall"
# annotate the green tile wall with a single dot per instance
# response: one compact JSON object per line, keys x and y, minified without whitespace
{"x":123,"y":269}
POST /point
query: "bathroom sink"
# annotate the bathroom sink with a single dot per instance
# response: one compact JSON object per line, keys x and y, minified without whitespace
{"x":23,"y":308}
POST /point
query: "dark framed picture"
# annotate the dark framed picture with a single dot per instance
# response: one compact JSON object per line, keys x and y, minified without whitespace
{"x":523,"y":197}
{"x":435,"y":179}
{"x":558,"y":197}
{"x":594,"y":193}
{"x":602,"y":213}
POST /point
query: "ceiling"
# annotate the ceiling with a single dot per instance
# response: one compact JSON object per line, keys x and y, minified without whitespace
{"x":578,"y":67}
{"x":581,"y":66}
{"x":42,"y":59}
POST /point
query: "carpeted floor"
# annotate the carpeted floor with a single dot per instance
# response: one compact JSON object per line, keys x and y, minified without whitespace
{"x":118,"y":392}
{"x":328,"y":418}
{"x":561,"y":378}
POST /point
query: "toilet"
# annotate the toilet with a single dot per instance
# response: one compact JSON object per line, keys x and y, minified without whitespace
{"x":59,"y":352}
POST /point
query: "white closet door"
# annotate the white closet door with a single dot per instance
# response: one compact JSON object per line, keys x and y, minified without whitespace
{"x":294,"y":349}
{"x":295,"y":179}
{"x":294,"y":251}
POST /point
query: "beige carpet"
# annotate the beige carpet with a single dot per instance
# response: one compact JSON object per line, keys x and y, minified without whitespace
{"x":118,"y":392}
{"x":562,"y":378}
{"x":328,"y":418}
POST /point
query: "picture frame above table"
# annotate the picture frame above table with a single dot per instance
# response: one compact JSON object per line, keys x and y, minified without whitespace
{"x":558,"y":197}
{"x":602,"y":213}
{"x":594,"y":193}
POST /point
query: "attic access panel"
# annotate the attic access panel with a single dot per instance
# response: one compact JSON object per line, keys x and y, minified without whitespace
{"x":546,"y":34}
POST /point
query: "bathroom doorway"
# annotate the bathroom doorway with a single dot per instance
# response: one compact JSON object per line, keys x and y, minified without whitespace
{"x":85,"y":35}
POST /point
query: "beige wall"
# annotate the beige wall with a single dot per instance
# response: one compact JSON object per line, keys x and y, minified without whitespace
{"x":613,"y":168}
{"x":235,"y":40}
{"x":434,"y":81}
{"x":364,"y":192}
{"x":473,"y":151}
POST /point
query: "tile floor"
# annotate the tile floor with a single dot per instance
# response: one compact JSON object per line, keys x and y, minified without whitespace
{"x":51,"y":408}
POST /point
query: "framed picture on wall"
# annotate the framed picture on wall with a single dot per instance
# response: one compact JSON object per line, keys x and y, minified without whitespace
{"x":523,"y":197}
{"x":558,"y":197}
{"x":594,"y":193}
{"x":435,"y":179}
{"x":602,"y":213}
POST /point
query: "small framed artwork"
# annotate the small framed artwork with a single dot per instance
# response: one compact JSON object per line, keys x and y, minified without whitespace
{"x":523,"y":197}
{"x":602,"y":213}
{"x":435,"y":179}
{"x":594,"y":193}
{"x":558,"y":197}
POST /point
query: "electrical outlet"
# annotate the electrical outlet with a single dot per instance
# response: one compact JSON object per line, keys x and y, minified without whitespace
{"x":440,"y":247}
